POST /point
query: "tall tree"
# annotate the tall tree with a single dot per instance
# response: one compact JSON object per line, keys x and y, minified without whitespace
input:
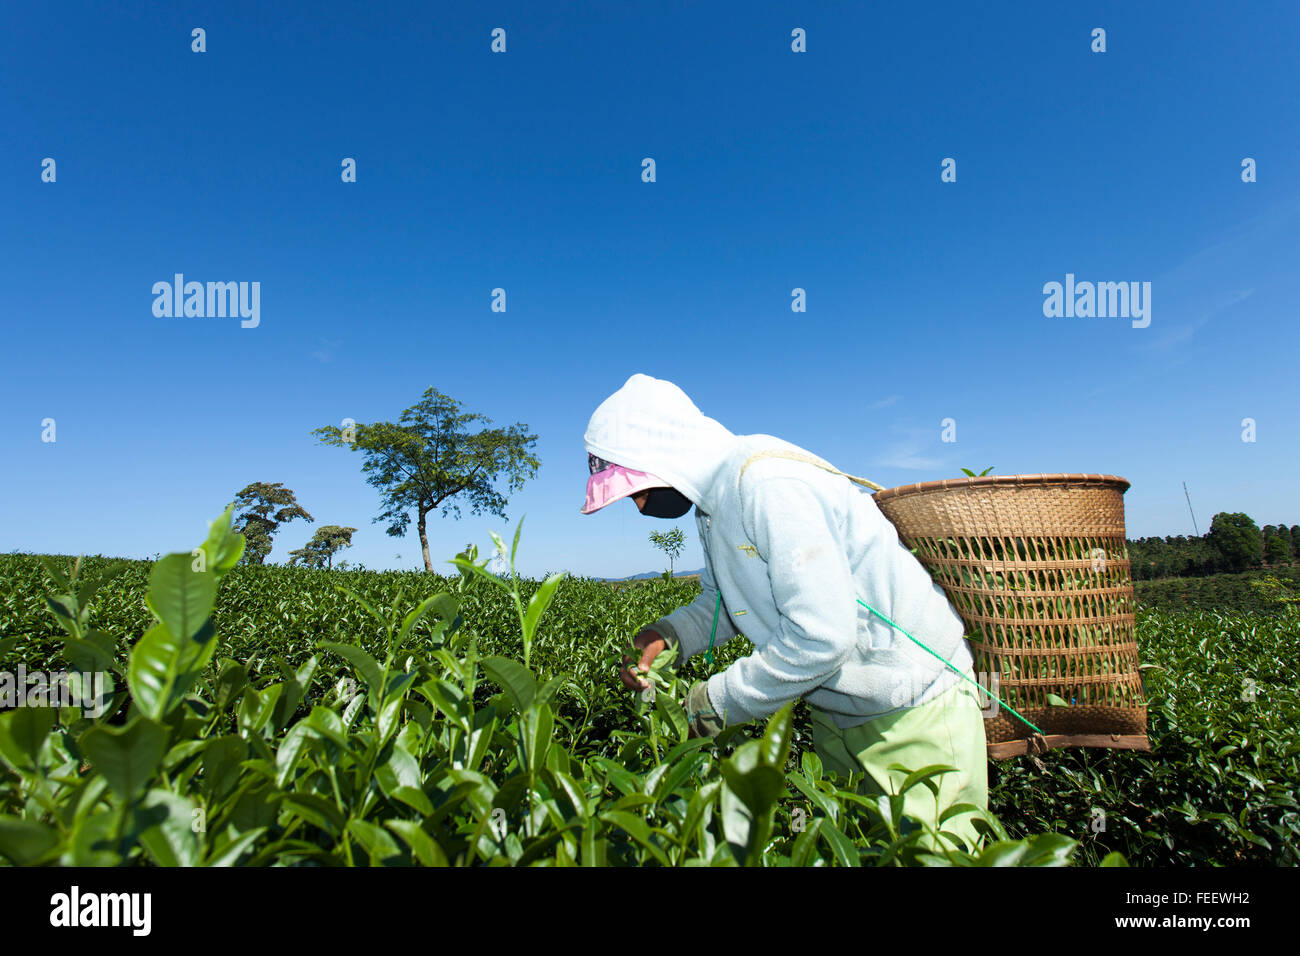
{"x":1236,"y":540}
{"x":257,"y":518}
{"x":1295,"y":541}
{"x":428,"y":459}
{"x":670,"y":543}
{"x":324,"y":544}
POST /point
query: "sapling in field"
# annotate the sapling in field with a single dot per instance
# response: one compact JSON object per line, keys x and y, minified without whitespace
{"x":670,"y":543}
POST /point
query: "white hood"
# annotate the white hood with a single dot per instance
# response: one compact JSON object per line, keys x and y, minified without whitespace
{"x":651,"y":425}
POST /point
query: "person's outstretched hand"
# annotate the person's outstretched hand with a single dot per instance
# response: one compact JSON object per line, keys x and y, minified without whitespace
{"x":651,"y":645}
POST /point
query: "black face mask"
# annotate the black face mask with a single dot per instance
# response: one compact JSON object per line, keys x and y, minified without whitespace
{"x":666,"y":503}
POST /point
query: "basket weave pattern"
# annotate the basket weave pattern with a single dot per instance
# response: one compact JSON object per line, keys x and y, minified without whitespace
{"x":1037,"y":567}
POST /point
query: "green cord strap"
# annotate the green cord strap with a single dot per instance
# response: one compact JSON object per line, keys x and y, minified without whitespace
{"x":718,"y":607}
{"x":959,"y":673}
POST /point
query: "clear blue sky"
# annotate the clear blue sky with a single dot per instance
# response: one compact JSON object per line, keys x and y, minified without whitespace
{"x":776,"y":170}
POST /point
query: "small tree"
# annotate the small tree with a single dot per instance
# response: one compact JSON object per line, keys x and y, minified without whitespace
{"x":428,"y":459}
{"x":257,"y":520}
{"x":1236,"y":541}
{"x":670,"y":543}
{"x":324,"y":544}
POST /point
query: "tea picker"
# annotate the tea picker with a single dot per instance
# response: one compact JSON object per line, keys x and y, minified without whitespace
{"x":811,"y":572}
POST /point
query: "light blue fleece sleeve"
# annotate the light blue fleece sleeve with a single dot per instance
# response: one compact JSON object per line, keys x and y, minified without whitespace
{"x":691,"y":625}
{"x":812,"y":586}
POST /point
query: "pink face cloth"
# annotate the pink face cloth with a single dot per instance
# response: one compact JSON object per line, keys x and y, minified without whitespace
{"x":615,"y":482}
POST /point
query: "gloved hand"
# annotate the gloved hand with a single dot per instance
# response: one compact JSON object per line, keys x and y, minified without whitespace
{"x":702,"y":719}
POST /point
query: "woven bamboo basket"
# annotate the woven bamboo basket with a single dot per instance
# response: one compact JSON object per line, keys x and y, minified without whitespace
{"x":1038,"y":569}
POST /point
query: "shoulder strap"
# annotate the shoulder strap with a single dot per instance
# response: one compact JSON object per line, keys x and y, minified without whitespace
{"x":804,"y":458}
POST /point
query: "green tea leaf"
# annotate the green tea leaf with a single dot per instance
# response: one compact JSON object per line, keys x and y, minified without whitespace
{"x":315,"y":810}
{"x":162,"y":668}
{"x":93,"y":652}
{"x":752,"y":779}
{"x":636,"y":828}
{"x":230,"y":685}
{"x":164,"y":824}
{"x":446,"y":608}
{"x":23,"y":732}
{"x":26,"y":842}
{"x":367,"y":669}
{"x":377,"y":842}
{"x":673,"y":714}
{"x":841,"y":846}
{"x":470,"y":569}
{"x":228,"y":855}
{"x":181,"y":597}
{"x":537,"y":726}
{"x":540,"y":601}
{"x":128,"y":756}
{"x":423,"y":847}
{"x":517,"y":680}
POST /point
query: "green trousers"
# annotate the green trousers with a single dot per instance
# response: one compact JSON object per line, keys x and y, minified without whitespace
{"x":947,"y":730}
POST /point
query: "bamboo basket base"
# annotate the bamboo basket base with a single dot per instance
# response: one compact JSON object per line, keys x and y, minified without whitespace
{"x":1117,"y":728}
{"x":1036,"y":745}
{"x":1095,"y":719}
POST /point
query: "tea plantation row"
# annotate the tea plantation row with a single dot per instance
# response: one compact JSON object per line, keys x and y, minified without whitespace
{"x":424,"y":739}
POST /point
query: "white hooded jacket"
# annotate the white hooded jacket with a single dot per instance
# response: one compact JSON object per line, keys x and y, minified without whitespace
{"x":791,"y":547}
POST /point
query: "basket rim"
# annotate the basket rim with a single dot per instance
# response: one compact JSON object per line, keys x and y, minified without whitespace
{"x":1018,"y":481}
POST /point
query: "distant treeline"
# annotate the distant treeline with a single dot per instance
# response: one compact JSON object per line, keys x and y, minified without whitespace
{"x":1234,"y":543}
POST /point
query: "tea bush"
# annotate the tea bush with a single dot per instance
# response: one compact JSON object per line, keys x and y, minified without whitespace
{"x":269,"y":716}
{"x":1218,"y":787}
{"x":424,"y":750}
